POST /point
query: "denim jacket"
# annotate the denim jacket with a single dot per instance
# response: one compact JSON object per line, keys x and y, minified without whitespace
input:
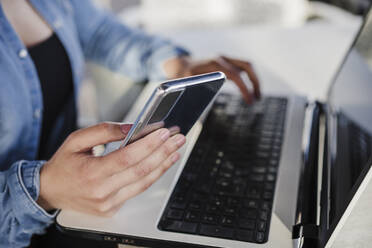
{"x":87,"y":33}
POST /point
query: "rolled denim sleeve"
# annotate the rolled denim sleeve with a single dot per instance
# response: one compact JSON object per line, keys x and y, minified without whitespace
{"x":20,"y":215}
{"x":108,"y":42}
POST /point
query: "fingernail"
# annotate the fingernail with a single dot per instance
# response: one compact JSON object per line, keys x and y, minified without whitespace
{"x":179,"y":139}
{"x":125,"y":128}
{"x":164,"y":134}
{"x":175,"y":157}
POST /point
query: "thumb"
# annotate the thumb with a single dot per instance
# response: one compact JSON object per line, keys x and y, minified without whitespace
{"x":103,"y":133}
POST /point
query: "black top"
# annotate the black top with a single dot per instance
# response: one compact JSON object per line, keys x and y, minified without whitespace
{"x":54,"y":71}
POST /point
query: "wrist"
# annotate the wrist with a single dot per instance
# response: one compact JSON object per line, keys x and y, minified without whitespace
{"x":44,"y":199}
{"x":177,"y":67}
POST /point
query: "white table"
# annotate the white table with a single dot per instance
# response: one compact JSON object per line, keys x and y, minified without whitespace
{"x":301,"y":60}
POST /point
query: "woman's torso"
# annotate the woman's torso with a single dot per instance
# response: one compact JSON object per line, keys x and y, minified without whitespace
{"x":21,"y":101}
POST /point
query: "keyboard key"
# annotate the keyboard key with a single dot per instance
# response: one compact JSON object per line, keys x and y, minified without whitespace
{"x":249,"y":213}
{"x":211,"y":208}
{"x":210,"y":218}
{"x":229,"y":210}
{"x":260,"y":237}
{"x":192,"y":216}
{"x":270,"y":178}
{"x":195,"y":205}
{"x":250,"y":204}
{"x":233,"y":202}
{"x":266,"y":206}
{"x":227,"y":221}
{"x":272,"y":169}
{"x":261,"y":226}
{"x":256,"y":177}
{"x":269,"y":186}
{"x":178,"y":204}
{"x":174,"y":214}
{"x":180,"y":226}
{"x":259,"y":169}
{"x":253,"y":192}
{"x":267,"y":195}
{"x":244,"y":235}
{"x":216,"y":231}
{"x":263,"y":215}
{"x":246,"y":223}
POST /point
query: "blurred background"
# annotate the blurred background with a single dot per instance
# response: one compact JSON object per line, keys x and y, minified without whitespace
{"x":107,"y":96}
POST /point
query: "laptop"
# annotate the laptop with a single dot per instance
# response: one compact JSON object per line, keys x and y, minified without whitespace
{"x":283,"y":172}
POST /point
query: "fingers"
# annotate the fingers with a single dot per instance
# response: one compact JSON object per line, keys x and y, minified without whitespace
{"x":148,"y":165}
{"x":110,"y":194}
{"x":233,"y":73}
{"x":132,"y":154}
{"x":248,"y":68}
{"x":105,"y":132}
{"x":140,"y":186}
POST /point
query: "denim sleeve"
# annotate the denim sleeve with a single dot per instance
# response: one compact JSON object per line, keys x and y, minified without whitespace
{"x":20,"y":215}
{"x":108,"y":42}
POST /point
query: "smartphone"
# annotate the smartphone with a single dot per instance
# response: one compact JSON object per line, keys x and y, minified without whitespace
{"x":176,"y":105}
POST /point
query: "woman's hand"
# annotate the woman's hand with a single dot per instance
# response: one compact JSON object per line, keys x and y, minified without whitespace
{"x":233,"y":68}
{"x":74,"y":179}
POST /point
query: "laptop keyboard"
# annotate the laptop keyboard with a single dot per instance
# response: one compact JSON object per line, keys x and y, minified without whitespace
{"x":226,"y":188}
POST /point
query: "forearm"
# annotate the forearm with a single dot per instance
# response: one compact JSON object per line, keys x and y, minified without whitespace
{"x":110,"y":43}
{"x":177,"y":67}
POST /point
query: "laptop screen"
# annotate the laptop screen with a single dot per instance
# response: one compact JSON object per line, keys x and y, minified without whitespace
{"x":350,"y":129}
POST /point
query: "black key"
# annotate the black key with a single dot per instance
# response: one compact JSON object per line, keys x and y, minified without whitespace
{"x":174,"y":214}
{"x":269,"y":186}
{"x":227,"y":221}
{"x":261,"y":226}
{"x":229,"y":210}
{"x":273,"y":162}
{"x":270,"y":178}
{"x":244,"y":235}
{"x":263,"y":215}
{"x":192,"y":216}
{"x":266,"y":206}
{"x":215,"y":231}
{"x":246,"y":223}
{"x":253,"y":192}
{"x":260,"y":237}
{"x":267,"y":195}
{"x":233,"y":202}
{"x":249,"y":213}
{"x":210,"y":218}
{"x":195,"y":205}
{"x":211,"y":208}
{"x":250,"y":204}
{"x":218,"y":200}
{"x":180,"y":226}
{"x":263,"y":155}
{"x":178,"y":204}
{"x":259,"y":169}
{"x":272,"y":169}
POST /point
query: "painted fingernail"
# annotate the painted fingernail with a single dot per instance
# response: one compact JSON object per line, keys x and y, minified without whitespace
{"x":125,"y":128}
{"x":164,"y":134}
{"x":175,"y":157}
{"x":179,"y":139}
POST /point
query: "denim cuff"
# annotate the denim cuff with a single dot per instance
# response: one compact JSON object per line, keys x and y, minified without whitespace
{"x":24,"y":187}
{"x":156,"y":70}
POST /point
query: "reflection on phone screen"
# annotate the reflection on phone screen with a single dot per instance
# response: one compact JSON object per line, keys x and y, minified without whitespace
{"x":157,"y":119}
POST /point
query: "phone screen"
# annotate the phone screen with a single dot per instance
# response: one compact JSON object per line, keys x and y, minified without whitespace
{"x":158,"y":118}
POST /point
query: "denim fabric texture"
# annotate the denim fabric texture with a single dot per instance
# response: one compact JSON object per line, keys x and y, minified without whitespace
{"x":88,"y":33}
